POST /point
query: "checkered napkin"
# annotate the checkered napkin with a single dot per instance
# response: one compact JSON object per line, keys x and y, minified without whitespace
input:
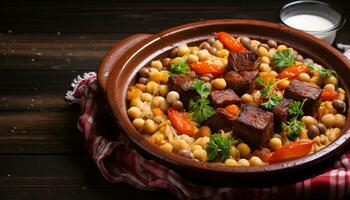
{"x":119,"y":162}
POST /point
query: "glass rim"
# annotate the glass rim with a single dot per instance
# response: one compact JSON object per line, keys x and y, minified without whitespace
{"x":334,"y":28}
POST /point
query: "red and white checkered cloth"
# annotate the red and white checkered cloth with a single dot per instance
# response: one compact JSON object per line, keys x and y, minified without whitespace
{"x":119,"y":162}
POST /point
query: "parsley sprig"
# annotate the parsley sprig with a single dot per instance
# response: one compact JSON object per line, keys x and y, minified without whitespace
{"x":179,"y":68}
{"x":323,"y":72}
{"x":294,"y":126}
{"x":201,"y":109}
{"x":219,"y":146}
{"x":272,"y":98}
{"x":284,"y":58}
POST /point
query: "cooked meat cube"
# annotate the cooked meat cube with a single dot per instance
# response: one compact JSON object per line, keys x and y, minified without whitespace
{"x":254,"y":126}
{"x":221,"y":120}
{"x":299,"y":90}
{"x":246,"y":61}
{"x":182,"y":84}
{"x":281,"y":113}
{"x":241,"y":82}
{"x":222,"y":98}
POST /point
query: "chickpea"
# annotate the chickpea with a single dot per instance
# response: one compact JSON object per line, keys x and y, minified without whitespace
{"x":164,"y":76}
{"x":223,"y":53}
{"x":138,"y":123}
{"x":244,"y":150}
{"x":163,"y":90}
{"x":172,"y":96}
{"x":263,"y":67}
{"x":332,"y":80}
{"x":281,"y":47}
{"x":178,"y":105}
{"x":146,"y":97}
{"x":158,"y":138}
{"x":157,"y":64}
{"x":204,"y":131}
{"x":341,"y":96}
{"x":262,"y":51}
{"x":133,"y":93}
{"x":313,"y":131}
{"x":243,"y":162}
{"x":143,"y":80}
{"x":339,"y":120}
{"x":316,"y":80}
{"x":308,"y":120}
{"x":203,"y":54}
{"x":329,"y":87}
{"x":265,"y":59}
{"x":218,"y":45}
{"x":245,"y":41}
{"x":246,"y":98}
{"x":134,"y":112}
{"x":254,"y":43}
{"x":157,"y":100}
{"x":234,"y":152}
{"x":219,"y":83}
{"x":155,"y":76}
{"x":341,"y":90}
{"x":137,"y":103}
{"x":167,"y":147}
{"x":308,"y":61}
{"x":150,"y":126}
{"x":196,"y":147}
{"x":272,"y":43}
{"x":200,"y":154}
{"x":164,"y":106}
{"x":152,"y":87}
{"x":328,"y":120}
{"x":192,"y":58}
{"x":275,"y":143}
{"x":283,"y":84}
{"x":179,"y":144}
{"x":211,"y":40}
{"x":166,"y":61}
{"x":183,"y":50}
{"x":253,"y":48}
{"x":231,"y":162}
{"x":300,"y":58}
{"x":203,"y":141}
{"x":212,"y":50}
{"x":339,"y":105}
{"x":273,"y":73}
{"x":185,"y":153}
{"x":144,"y":72}
{"x":304,"y":77}
{"x":255,"y":161}
{"x":205,"y":78}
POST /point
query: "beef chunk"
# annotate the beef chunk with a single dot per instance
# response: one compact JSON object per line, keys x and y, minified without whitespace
{"x":299,"y":90}
{"x":222,"y":98}
{"x":254,"y":126}
{"x":281,"y":113}
{"x":221,"y":120}
{"x":182,"y":84}
{"x":242,"y":82}
{"x":246,"y":61}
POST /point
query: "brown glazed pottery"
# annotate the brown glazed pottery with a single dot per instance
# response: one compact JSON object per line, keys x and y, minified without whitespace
{"x":120,"y":66}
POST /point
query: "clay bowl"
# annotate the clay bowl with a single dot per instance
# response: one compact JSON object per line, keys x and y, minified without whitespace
{"x":120,"y":66}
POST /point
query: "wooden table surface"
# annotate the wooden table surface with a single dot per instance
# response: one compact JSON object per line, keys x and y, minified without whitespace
{"x":43,"y":46}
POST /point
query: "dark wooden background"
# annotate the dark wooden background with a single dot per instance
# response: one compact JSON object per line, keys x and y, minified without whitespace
{"x":43,"y":46}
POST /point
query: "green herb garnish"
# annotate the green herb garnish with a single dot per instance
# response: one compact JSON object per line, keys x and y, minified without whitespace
{"x":323,"y":72}
{"x":219,"y":146}
{"x":201,"y":87}
{"x":273,"y":99}
{"x":294,"y":126}
{"x":284,"y":58}
{"x":179,"y":68}
{"x":201,"y":110}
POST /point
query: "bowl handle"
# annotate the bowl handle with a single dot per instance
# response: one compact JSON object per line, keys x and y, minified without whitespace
{"x":107,"y":63}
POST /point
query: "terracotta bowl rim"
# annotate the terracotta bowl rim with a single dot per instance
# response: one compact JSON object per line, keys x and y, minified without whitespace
{"x":174,"y":159}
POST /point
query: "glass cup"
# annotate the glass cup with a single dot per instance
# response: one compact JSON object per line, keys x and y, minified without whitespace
{"x":314,"y":8}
